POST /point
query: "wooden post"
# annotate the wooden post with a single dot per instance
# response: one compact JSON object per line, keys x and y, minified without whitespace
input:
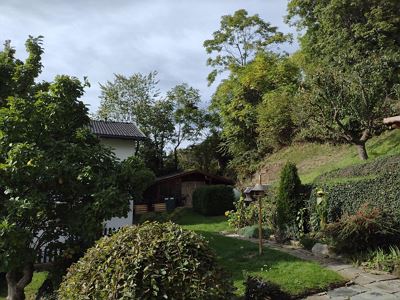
{"x":259,"y":222}
{"x":259,"y":226}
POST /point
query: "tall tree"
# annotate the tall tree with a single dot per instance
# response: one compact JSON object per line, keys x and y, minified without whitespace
{"x":238,"y":40}
{"x":357,"y":45}
{"x":189,"y":118}
{"x":56,"y":179}
{"x":137,"y":99}
{"x":239,"y":98}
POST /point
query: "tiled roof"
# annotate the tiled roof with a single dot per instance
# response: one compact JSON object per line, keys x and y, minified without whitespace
{"x":185,"y":173}
{"x":119,"y":130}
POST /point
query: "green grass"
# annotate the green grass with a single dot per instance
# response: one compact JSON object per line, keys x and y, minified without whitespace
{"x":314,"y":159}
{"x":240,"y":257}
{"x":31,"y":289}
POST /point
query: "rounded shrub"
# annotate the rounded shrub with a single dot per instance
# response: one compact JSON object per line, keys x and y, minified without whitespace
{"x":148,"y":261}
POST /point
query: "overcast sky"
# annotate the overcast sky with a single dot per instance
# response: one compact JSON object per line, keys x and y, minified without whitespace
{"x":97,"y":38}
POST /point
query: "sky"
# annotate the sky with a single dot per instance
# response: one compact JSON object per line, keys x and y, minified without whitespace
{"x":100,"y":38}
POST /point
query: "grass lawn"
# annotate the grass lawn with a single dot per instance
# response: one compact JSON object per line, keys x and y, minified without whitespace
{"x":240,"y":257}
{"x":30,"y":290}
{"x":313,"y":159}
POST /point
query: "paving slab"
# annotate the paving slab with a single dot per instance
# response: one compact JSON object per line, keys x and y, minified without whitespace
{"x":389,"y":286}
{"x":363,"y":280}
{"x":380,"y":277}
{"x":318,"y":297}
{"x":374,"y":295}
{"x":350,"y":273}
{"x":346,"y":292}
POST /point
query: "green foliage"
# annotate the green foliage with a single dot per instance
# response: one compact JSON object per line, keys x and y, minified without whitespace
{"x":189,"y":119}
{"x":247,"y":215}
{"x":213,"y":200}
{"x":289,"y":200}
{"x":245,"y":103}
{"x":206,"y":156}
{"x":56,"y":178}
{"x":275,"y":120}
{"x":252,"y":231}
{"x":135,"y":177}
{"x":347,"y":196}
{"x":238,"y":40}
{"x":150,"y":261}
{"x":387,"y":260}
{"x":165,"y":121}
{"x":308,"y":241}
{"x":352,"y":52}
{"x":369,"y":228}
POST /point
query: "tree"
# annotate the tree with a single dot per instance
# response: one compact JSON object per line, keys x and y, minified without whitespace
{"x":56,"y":179}
{"x":238,"y":40}
{"x":240,"y":103}
{"x":353,"y":47}
{"x":165,"y":121}
{"x":352,"y":105}
{"x":288,"y":199}
{"x":126,"y":98}
{"x":189,"y":119}
{"x":136,"y":99}
{"x":206,"y":156}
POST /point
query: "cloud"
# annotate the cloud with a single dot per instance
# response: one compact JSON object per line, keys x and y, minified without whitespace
{"x":97,"y":38}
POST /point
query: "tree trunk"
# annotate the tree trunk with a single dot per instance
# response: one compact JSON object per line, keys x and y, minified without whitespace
{"x":362,"y":151}
{"x":17,"y":281}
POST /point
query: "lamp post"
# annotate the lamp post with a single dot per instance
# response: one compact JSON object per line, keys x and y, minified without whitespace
{"x":259,"y":191}
{"x":248,"y":199}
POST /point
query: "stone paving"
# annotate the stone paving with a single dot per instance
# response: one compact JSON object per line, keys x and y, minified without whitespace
{"x":361,"y":285}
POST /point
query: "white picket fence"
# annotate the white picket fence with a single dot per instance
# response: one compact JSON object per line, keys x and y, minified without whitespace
{"x":47,"y":255}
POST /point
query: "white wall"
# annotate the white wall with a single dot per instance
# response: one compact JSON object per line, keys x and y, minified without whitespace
{"x":122,"y":148}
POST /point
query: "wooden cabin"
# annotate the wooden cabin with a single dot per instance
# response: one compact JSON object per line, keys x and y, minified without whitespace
{"x":177,"y":188}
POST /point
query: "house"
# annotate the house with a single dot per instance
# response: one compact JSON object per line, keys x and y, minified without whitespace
{"x":177,"y":188}
{"x":123,"y":138}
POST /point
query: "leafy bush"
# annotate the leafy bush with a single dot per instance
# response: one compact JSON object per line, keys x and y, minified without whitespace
{"x":162,"y":217}
{"x":378,"y":187}
{"x":309,"y":240}
{"x":384,"y":260}
{"x":244,"y":215}
{"x":252,"y":231}
{"x":289,"y":200}
{"x":213,"y":200}
{"x":150,"y":261}
{"x":257,"y":289}
{"x":153,"y":217}
{"x":369,"y":228}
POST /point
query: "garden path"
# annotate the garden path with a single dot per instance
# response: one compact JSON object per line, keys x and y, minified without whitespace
{"x":361,"y":285}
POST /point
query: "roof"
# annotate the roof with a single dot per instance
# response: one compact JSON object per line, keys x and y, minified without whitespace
{"x":185,"y":173}
{"x":120,"y":130}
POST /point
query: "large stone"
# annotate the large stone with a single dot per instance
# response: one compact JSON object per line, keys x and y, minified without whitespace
{"x":321,"y":250}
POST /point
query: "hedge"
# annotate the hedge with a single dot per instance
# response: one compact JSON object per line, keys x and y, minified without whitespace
{"x":213,"y":200}
{"x":381,"y":191}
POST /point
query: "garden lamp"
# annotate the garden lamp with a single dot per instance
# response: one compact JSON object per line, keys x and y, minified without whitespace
{"x":259,"y":191}
{"x":248,"y":198}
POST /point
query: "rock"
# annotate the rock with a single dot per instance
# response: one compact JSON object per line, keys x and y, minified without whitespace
{"x":321,"y":250}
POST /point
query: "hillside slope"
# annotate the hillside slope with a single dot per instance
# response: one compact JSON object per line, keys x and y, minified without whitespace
{"x":314,"y":159}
